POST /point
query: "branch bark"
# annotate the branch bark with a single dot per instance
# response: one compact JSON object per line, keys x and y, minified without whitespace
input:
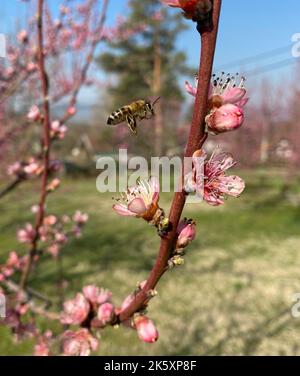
{"x":46,"y":143}
{"x":196,"y":139}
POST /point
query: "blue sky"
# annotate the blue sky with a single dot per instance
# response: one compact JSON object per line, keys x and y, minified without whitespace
{"x":247,"y":28}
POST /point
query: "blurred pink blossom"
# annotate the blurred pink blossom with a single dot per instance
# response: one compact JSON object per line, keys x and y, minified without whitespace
{"x":27,"y":234}
{"x":34,"y":114}
{"x":75,"y":310}
{"x":106,"y":313}
{"x":22,"y":36}
{"x":80,"y":218}
{"x":79,"y":343}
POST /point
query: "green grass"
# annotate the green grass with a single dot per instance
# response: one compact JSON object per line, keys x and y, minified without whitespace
{"x":232,"y":296}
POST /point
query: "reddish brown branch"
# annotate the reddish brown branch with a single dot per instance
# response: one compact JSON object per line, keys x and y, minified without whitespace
{"x":196,"y":139}
{"x":11,"y":186}
{"x":46,"y":143}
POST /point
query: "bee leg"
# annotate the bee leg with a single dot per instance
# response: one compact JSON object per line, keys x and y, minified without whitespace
{"x":131,"y":122}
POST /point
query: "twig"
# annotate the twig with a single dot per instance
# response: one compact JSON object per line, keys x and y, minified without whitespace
{"x":38,"y":310}
{"x":196,"y":139}
{"x":88,"y":62}
{"x":11,"y":186}
{"x":28,"y":292}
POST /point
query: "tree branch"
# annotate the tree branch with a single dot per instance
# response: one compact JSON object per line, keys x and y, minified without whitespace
{"x":196,"y":139}
{"x":46,"y":143}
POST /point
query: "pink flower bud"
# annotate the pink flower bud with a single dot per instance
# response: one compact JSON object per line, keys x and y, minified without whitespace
{"x":226,"y":118}
{"x":146,"y":329}
{"x":186,"y":231}
{"x":106,"y":313}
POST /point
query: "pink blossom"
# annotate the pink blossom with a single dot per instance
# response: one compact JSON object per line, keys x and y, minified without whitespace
{"x":106,"y":313}
{"x":223,"y":90}
{"x":34,"y":114}
{"x":33,"y":167}
{"x":22,"y":36}
{"x":14,"y":169}
{"x":140,"y":201}
{"x":96,"y":295}
{"x":54,"y":249}
{"x":226,"y":102}
{"x":30,"y":67}
{"x":35,"y":209}
{"x":79,"y":343}
{"x":58,"y":130}
{"x":50,"y":220}
{"x":53,"y":185}
{"x":146,"y":329}
{"x":13,"y":260}
{"x":80,"y":218}
{"x":186,"y":231}
{"x":27,"y":234}
{"x":186,"y":5}
{"x":91,"y":293}
{"x":75,"y":310}
{"x":226,"y":118}
{"x":61,"y":237}
{"x":104,"y":296}
{"x":211,"y":180}
{"x":72,"y":111}
{"x":42,"y":348}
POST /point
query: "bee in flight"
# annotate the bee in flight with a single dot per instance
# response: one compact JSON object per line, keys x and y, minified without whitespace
{"x":137,"y":110}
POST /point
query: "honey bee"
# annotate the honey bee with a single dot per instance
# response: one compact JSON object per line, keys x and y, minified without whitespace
{"x":137,"y":110}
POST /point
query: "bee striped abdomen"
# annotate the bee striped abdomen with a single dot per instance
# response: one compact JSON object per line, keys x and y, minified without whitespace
{"x":118,"y":116}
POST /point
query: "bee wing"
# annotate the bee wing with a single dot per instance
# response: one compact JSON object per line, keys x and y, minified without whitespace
{"x":131,"y":122}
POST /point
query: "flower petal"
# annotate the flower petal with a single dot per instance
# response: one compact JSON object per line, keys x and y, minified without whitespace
{"x":242,"y":103}
{"x":137,"y":206}
{"x":122,"y":210}
{"x":231,"y":185}
{"x":190,"y":89}
{"x":171,"y":3}
{"x":233,"y":95}
{"x":154,"y":184}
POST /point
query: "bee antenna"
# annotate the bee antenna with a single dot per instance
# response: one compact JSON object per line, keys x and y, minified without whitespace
{"x":156,"y":100}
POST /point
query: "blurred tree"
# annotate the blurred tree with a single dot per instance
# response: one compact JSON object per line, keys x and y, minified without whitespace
{"x":147,"y":63}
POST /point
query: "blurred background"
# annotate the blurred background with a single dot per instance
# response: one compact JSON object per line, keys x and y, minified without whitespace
{"x":234,"y":293}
